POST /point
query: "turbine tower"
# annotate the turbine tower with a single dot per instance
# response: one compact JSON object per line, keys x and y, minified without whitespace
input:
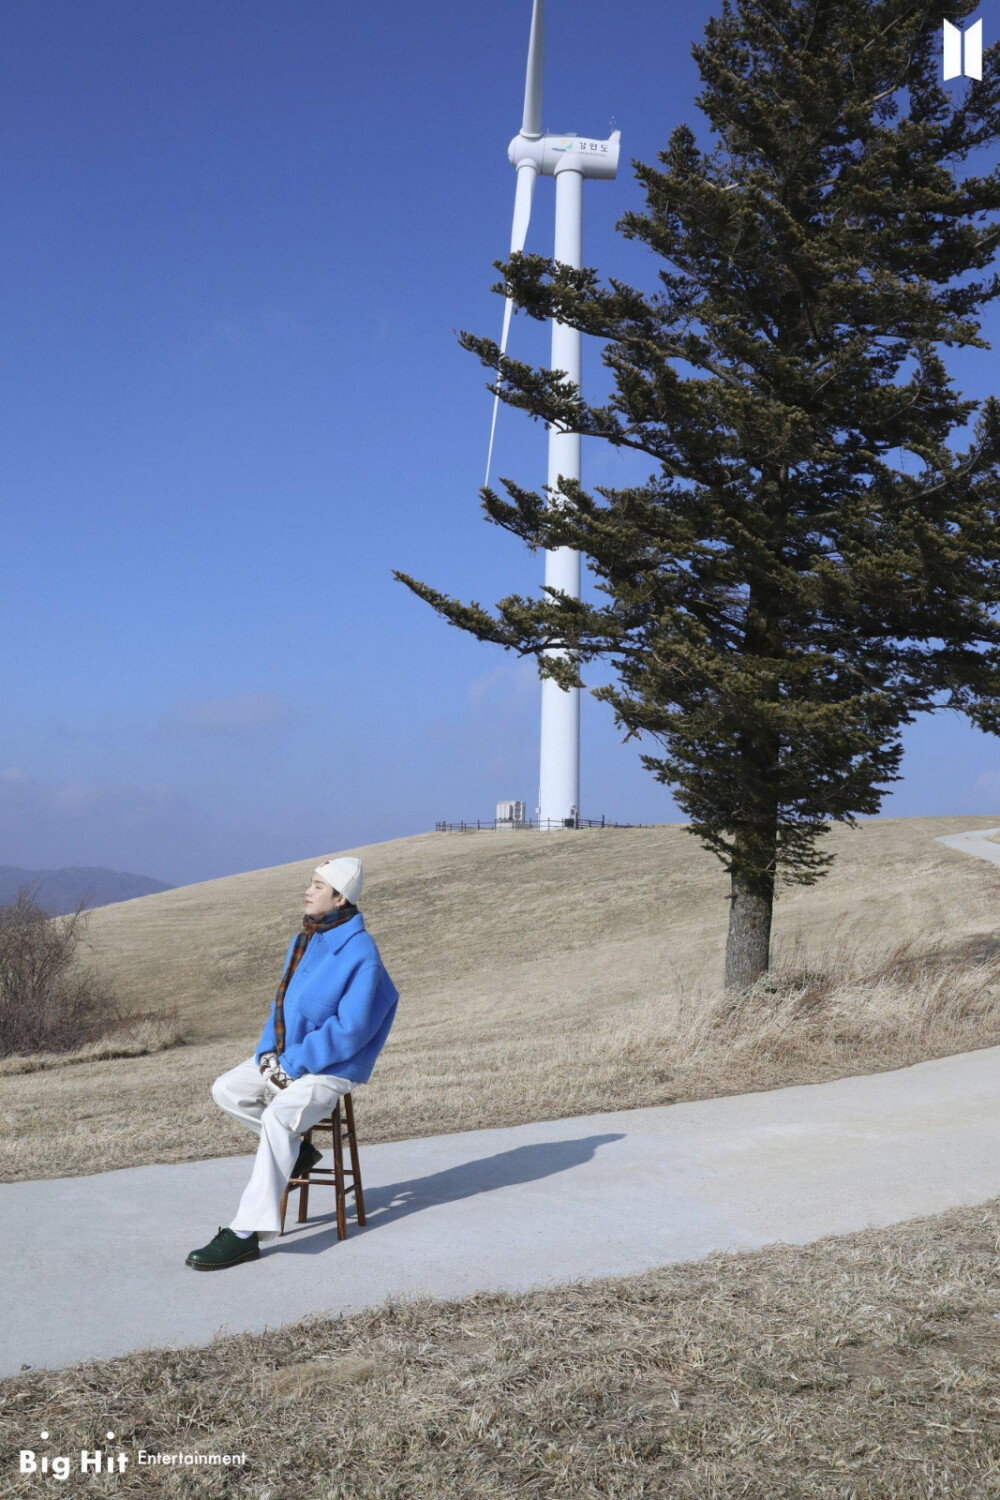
{"x":569,"y":159}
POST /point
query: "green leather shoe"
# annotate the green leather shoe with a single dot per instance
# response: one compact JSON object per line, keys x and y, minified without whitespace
{"x":225,"y":1249}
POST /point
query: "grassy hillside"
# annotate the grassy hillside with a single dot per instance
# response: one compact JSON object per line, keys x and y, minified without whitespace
{"x":500,"y":928}
{"x":540,"y":976}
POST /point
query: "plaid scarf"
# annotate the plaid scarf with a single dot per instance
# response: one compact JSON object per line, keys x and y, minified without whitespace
{"x":309,"y":926}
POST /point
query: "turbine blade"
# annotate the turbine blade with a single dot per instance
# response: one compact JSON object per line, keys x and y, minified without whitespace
{"x":523,"y":195}
{"x":526,"y":174}
{"x":532,"y":121}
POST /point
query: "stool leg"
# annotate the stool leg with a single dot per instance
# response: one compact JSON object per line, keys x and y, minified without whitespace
{"x":352,"y":1142}
{"x":304,"y":1186}
{"x":338,"y":1173}
{"x":284,"y":1200}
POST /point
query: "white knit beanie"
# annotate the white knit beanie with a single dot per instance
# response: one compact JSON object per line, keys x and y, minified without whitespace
{"x":344,"y":874}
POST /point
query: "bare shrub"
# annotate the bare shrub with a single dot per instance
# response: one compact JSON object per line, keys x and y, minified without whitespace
{"x":48,"y":1001}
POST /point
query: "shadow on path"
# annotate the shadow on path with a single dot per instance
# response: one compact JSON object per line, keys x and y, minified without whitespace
{"x":396,"y":1200}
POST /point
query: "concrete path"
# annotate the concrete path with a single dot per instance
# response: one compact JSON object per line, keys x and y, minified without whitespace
{"x":95,"y":1265}
{"x":978,"y":843}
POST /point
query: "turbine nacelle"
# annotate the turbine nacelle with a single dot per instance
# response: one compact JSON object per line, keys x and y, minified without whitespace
{"x":568,"y":157}
{"x":551,"y":154}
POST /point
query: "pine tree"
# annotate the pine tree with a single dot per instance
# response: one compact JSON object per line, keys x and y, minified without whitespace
{"x":783,"y":596}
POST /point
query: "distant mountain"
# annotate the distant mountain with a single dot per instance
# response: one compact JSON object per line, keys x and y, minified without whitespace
{"x":59,"y":890}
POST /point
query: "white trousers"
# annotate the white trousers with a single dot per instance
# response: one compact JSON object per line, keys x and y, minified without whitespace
{"x":280,"y":1125}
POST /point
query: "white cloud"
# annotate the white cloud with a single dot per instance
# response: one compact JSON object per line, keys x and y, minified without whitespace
{"x":240,"y":715}
{"x":511,"y":683}
{"x":988,"y":782}
{"x":242,"y":331}
{"x":489,"y":734}
{"x":47,"y":822}
{"x":75,"y":797}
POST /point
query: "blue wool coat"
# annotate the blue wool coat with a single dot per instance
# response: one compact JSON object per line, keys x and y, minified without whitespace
{"x":338,"y":1007}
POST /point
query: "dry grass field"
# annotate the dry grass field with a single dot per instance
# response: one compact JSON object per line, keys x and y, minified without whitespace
{"x":575,"y":972}
{"x":561,"y":974}
{"x":858,"y":1368}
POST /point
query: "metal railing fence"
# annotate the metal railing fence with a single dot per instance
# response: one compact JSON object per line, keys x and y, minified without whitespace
{"x":490,"y":825}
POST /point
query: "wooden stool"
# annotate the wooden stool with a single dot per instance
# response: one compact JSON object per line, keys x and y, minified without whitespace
{"x":337,"y":1172}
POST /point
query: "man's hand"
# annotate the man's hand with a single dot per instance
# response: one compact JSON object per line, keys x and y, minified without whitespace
{"x":272,"y":1071}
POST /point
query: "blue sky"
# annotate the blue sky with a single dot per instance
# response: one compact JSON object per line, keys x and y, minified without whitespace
{"x":240,"y":239}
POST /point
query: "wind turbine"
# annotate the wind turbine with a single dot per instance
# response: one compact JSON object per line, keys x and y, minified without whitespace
{"x":569,"y":159}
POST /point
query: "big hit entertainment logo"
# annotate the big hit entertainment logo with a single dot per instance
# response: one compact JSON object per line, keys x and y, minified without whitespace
{"x":101,"y":1461}
{"x":94,"y":1461}
{"x":952,"y":51}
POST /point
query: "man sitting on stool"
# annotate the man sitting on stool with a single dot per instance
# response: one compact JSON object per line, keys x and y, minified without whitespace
{"x":328,"y":1023}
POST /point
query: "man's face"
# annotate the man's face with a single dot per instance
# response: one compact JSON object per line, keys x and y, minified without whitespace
{"x":320,"y":898}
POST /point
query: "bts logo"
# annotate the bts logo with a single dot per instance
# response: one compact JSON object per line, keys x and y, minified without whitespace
{"x":952,"y":56}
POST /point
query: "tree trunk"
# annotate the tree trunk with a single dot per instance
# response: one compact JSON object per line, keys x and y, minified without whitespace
{"x":748,"y":943}
{"x":755,"y":834}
